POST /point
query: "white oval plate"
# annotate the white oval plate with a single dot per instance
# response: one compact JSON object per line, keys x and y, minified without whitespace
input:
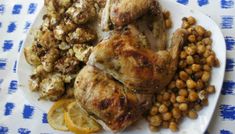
{"x":177,"y":13}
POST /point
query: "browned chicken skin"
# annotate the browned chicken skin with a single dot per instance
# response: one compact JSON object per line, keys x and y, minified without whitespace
{"x":139,"y":69}
{"x":107,"y":100}
{"x":123,"y":12}
{"x":150,"y":19}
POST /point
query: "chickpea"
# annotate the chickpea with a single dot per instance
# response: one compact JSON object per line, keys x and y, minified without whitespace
{"x":192,"y":114}
{"x":189,"y":60}
{"x":203,"y":60}
{"x":210,"y":89}
{"x":191,"y":84}
{"x":180,"y":84}
{"x":207,"y":53}
{"x":154,"y":110}
{"x":209,"y":47}
{"x":173,"y":98}
{"x":192,"y":38}
{"x":191,"y":20}
{"x":157,"y":104}
{"x":207,"y":41}
{"x":182,"y":64}
{"x":172,"y":85}
{"x":210,"y":60}
{"x":155,"y":120}
{"x":183,"y":75}
{"x":191,"y":50}
{"x":205,"y":102}
{"x":176,"y":113}
{"x":183,"y":92}
{"x":196,"y":67}
{"x":185,"y":25}
{"x":189,"y":71}
{"x":181,"y":99}
{"x":198,"y":75}
{"x":197,"y":107}
{"x":166,"y":96}
{"x":166,"y":116}
{"x":168,"y":23}
{"x":199,"y":38}
{"x":167,"y":103}
{"x":206,"y":76}
{"x":217,"y":63}
{"x":183,"y":55}
{"x":193,"y":96}
{"x":165,"y":124}
{"x":200,"y":30}
{"x":173,"y":127}
{"x":197,"y":59}
{"x":154,"y":128}
{"x":207,"y":34}
{"x":206,"y":68}
{"x":183,"y":107}
{"x":201,"y":49}
{"x":176,"y":105}
{"x":163,"y":109}
{"x":200,"y":85}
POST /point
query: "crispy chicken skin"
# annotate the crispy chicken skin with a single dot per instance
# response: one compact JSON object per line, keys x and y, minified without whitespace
{"x":139,"y":69}
{"x":107,"y":101}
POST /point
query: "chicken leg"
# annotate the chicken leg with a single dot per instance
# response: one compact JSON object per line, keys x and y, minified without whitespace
{"x":140,"y":69}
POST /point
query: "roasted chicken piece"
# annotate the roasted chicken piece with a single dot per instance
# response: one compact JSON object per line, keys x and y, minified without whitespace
{"x":123,"y":12}
{"x":140,"y":69}
{"x":107,"y":100}
{"x":150,"y":22}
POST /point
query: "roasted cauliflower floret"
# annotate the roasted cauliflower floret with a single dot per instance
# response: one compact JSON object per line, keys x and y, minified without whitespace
{"x":50,"y":20}
{"x":81,"y":35}
{"x":30,"y":56}
{"x":34,"y":82}
{"x":67,"y":64}
{"x":65,"y":26}
{"x":52,"y":87}
{"x":47,"y":40}
{"x":49,"y":59}
{"x":58,"y":6}
{"x":82,"y":52}
{"x":82,"y":11}
{"x":40,"y":72}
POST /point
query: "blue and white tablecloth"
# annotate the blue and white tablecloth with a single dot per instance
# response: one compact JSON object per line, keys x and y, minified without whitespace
{"x":17,"y":115}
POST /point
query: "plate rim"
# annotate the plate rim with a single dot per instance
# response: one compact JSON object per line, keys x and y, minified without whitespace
{"x":172,"y":2}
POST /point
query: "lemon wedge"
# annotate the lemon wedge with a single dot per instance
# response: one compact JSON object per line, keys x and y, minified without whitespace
{"x":56,"y":114}
{"x":79,"y":121}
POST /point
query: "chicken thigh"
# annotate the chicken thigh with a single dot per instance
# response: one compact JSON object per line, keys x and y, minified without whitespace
{"x":140,"y":69}
{"x":107,"y":100}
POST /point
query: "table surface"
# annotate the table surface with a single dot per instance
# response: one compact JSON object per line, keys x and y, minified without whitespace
{"x":17,"y":115}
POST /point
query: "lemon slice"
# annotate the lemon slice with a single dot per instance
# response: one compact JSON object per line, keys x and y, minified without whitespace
{"x":56,"y":114}
{"x":79,"y":121}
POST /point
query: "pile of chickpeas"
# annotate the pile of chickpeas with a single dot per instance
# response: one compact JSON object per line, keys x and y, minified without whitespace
{"x":188,"y":92}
